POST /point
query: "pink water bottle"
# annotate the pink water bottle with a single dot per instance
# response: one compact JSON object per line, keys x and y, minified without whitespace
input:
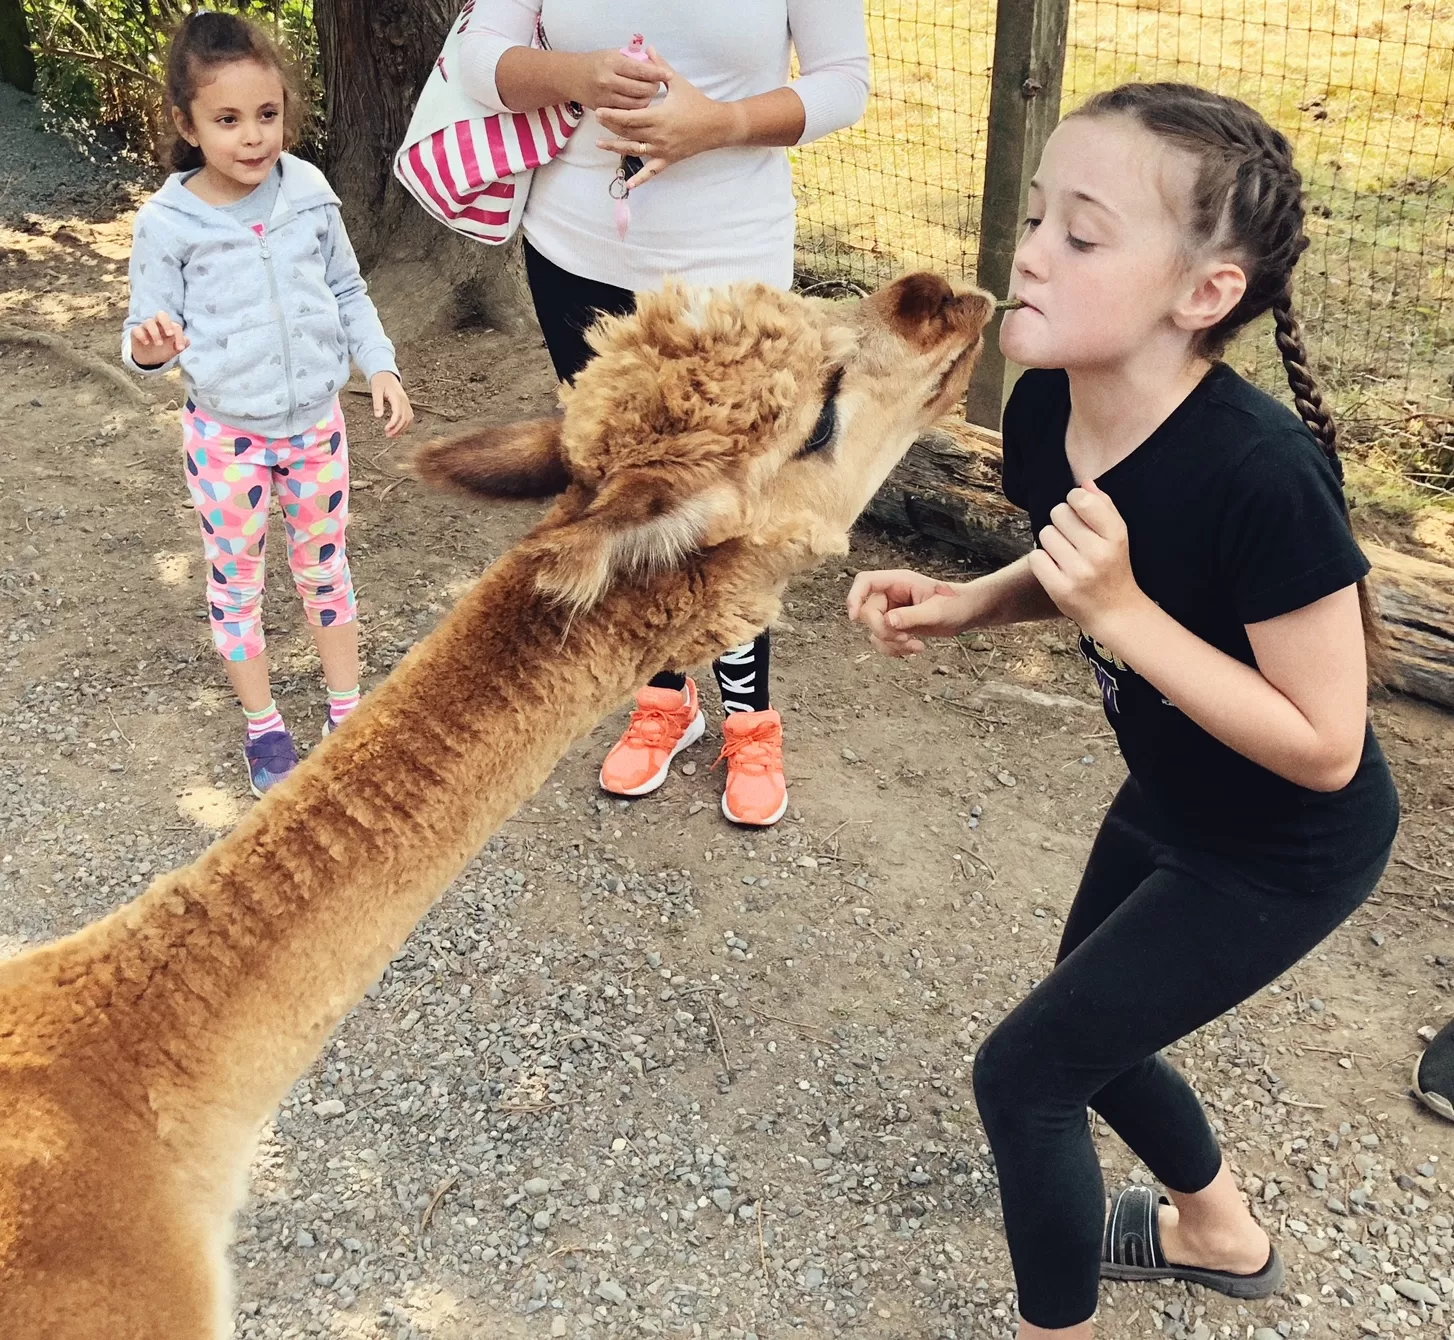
{"x":631,"y":164}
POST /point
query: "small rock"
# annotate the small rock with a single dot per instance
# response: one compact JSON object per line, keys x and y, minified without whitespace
{"x":541,"y":1220}
{"x":747,"y":1213}
{"x":611,"y":1292}
{"x":329,"y":1107}
{"x":689,"y":769}
{"x":1416,"y":1292}
{"x":1265,"y":1333}
{"x":1377,"y":937}
{"x":849,"y":756}
{"x":537,"y":1186}
{"x":558,"y":1327}
{"x":806,"y":862}
{"x":813,"y":1278}
{"x":1428,"y":1033}
{"x":304,"y":1238}
{"x":1005,"y":778}
{"x":722,"y":1199}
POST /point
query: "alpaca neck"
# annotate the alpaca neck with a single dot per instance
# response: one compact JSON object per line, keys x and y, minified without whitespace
{"x":221,"y":983}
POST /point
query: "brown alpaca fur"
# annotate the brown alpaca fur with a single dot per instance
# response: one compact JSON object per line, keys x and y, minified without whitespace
{"x":140,"y":1056}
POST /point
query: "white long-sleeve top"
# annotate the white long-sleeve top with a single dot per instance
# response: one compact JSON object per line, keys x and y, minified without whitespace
{"x":720,"y":216}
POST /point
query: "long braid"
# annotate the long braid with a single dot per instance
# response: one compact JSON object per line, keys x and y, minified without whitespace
{"x":1248,"y":197}
{"x":1305,"y":393}
{"x":1309,"y":402}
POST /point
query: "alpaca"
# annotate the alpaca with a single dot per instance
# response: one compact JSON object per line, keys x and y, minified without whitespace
{"x":719,"y":442}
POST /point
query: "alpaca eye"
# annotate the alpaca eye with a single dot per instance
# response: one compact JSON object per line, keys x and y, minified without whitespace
{"x":823,"y":430}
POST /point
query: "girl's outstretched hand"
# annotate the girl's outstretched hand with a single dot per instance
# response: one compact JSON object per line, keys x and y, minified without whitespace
{"x":389,"y":390}
{"x":899,"y":608}
{"x":157,"y":340}
{"x":1084,"y":562}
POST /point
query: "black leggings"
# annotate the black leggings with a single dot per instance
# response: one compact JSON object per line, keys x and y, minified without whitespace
{"x":566,"y":305}
{"x":1159,"y":941}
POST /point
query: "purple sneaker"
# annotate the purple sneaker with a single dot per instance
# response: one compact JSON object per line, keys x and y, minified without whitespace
{"x":269,"y":759}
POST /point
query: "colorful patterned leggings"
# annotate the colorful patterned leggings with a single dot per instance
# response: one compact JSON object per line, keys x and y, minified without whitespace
{"x":231,"y":475}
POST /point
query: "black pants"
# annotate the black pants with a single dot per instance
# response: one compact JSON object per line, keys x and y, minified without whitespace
{"x":566,"y":305}
{"x":1159,"y":941}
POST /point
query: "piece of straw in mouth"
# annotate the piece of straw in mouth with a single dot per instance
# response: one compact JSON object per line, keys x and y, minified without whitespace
{"x":1009,"y":304}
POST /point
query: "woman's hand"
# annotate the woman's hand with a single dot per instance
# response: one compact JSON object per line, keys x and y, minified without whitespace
{"x":1084,"y":564}
{"x":684,"y":123}
{"x":156,"y":341}
{"x":607,"y":79}
{"x":899,"y":608}
{"x":389,"y":390}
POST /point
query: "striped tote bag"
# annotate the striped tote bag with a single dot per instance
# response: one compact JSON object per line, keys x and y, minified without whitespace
{"x":470,"y":167}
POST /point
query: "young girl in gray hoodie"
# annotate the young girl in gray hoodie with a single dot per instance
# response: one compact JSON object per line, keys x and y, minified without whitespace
{"x":242,"y":273}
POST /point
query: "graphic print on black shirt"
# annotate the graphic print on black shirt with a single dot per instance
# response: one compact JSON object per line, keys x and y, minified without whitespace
{"x":1234,"y":516}
{"x":1105,"y":665}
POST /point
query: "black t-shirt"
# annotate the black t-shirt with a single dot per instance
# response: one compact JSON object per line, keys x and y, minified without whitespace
{"x":1234,"y":515}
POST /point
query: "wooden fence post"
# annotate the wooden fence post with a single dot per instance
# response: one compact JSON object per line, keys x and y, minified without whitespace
{"x":1024,"y":107}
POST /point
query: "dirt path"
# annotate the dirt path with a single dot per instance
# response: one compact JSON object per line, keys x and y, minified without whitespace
{"x":639,"y":1073}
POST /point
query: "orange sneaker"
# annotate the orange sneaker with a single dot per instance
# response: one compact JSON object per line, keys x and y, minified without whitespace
{"x":756,"y":792}
{"x":664,"y":723}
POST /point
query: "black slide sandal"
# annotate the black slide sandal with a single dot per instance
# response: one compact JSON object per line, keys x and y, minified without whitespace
{"x":1131,"y":1251}
{"x":1437,"y":1102}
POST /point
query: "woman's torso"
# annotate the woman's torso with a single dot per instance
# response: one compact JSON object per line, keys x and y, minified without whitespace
{"x":718,"y":216}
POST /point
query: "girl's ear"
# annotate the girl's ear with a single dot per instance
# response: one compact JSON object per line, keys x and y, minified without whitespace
{"x":183,"y":125}
{"x":1215,"y":290}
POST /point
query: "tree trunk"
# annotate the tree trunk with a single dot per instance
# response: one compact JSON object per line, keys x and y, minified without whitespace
{"x":375,"y":57}
{"x":948,"y":488}
{"x":17,"y":64}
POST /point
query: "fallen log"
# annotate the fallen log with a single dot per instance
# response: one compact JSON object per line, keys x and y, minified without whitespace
{"x":1416,"y":599}
{"x":948,"y":488}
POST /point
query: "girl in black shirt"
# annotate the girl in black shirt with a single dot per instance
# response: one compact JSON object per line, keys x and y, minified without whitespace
{"x":1196,"y":531}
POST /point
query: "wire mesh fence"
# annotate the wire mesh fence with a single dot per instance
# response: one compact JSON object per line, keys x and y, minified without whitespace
{"x":1364,"y":88}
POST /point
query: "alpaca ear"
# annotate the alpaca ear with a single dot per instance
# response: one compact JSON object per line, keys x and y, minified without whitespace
{"x":638,"y":523}
{"x":515,"y":460}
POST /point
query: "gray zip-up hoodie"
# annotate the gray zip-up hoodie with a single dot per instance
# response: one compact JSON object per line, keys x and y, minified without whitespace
{"x":273,"y":319}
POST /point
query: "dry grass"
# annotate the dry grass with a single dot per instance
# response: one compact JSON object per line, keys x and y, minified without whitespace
{"x":1364,"y":87}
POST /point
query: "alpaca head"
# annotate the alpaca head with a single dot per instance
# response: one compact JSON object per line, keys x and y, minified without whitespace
{"x":744,"y":413}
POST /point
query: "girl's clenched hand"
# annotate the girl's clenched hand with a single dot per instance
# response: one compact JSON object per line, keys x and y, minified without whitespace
{"x":1084,"y":563}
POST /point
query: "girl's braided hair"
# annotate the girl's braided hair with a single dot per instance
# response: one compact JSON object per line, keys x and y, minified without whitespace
{"x":202,"y":42}
{"x":1247,"y":197}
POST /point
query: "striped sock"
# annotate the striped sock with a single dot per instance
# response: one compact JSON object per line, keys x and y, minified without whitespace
{"x":263,"y":722}
{"x":341,"y":702}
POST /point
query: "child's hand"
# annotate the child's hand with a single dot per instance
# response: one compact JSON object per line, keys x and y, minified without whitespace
{"x":898,"y":608}
{"x":1084,"y":562}
{"x":156,"y":341}
{"x":389,"y":390}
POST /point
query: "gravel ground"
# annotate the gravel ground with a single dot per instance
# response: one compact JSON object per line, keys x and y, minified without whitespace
{"x":639,"y":1074}
{"x":45,"y":173}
